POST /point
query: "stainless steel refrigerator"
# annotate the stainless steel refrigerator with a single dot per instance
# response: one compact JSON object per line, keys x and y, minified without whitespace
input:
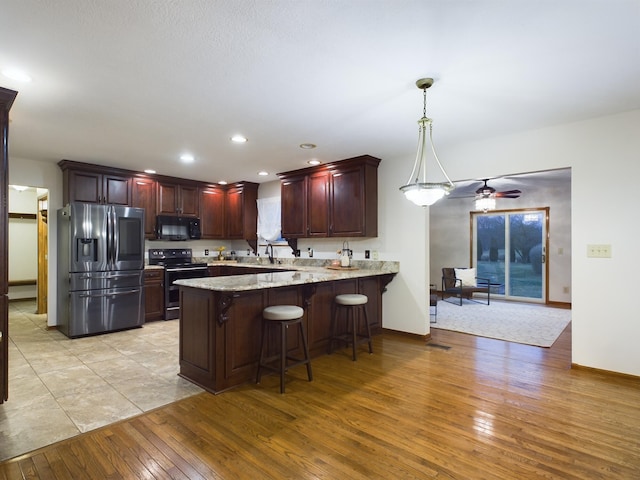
{"x":100,"y":268}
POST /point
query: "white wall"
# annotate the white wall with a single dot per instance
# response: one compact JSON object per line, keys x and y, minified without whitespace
{"x":603,"y":156}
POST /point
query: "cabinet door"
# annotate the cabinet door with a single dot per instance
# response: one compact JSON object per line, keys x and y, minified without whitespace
{"x":153,"y":295}
{"x":347,"y":203}
{"x":85,"y":187}
{"x":167,"y":199}
{"x":143,"y":195}
{"x":212,"y":212}
{"x":293,"y":197}
{"x":188,"y":200}
{"x":234,"y":213}
{"x":318,"y":205}
{"x":116,"y":190}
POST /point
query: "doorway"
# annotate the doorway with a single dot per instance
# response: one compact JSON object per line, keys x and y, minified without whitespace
{"x":43,"y":254}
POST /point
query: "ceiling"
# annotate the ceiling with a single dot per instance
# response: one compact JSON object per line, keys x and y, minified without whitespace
{"x":136,"y":83}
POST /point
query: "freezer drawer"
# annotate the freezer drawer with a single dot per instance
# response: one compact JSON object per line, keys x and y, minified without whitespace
{"x":98,"y":311}
{"x":105,"y":280}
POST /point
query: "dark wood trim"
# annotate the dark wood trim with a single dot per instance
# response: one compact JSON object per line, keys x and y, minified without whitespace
{"x":21,"y":299}
{"x":23,"y":216}
{"x":21,"y":283}
{"x":555,"y":304}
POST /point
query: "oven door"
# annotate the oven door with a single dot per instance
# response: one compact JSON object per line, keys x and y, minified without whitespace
{"x":172,"y":292}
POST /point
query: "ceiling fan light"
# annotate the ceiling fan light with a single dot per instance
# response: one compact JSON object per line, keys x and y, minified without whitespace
{"x":486,"y":203}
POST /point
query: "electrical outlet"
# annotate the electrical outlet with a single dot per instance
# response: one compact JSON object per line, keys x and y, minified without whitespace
{"x":375,"y":255}
{"x":367,"y":254}
{"x":206,"y":251}
{"x":599,"y":251}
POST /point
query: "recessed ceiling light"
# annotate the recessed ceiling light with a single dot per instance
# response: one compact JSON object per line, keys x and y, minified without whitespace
{"x":15,"y":74}
{"x":307,"y":146}
{"x":187,"y":157}
{"x":314,"y":162}
{"x":222,"y":182}
{"x":239,"y":139}
{"x":262,"y":173}
{"x":150,"y":171}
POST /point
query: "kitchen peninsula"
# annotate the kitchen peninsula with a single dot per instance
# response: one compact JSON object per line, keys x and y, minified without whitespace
{"x":220,"y":321}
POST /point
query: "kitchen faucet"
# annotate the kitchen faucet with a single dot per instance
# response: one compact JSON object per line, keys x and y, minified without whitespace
{"x":266,"y":252}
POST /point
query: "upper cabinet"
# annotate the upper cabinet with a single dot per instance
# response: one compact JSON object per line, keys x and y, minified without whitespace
{"x":212,"y":211}
{"x":143,"y":195}
{"x":338,"y":199}
{"x":225,"y":212}
{"x":241,"y":211}
{"x":178,"y":199}
{"x":94,"y":186}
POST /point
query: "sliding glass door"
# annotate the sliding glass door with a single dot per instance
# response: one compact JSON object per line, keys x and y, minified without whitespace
{"x":509,"y":248}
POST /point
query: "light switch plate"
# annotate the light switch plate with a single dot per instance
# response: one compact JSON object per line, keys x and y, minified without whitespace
{"x":599,"y":251}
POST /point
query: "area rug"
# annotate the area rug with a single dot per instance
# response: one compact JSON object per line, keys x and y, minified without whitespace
{"x":514,"y":322}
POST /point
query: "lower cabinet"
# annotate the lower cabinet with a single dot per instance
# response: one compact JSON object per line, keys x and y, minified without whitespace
{"x":153,"y":295}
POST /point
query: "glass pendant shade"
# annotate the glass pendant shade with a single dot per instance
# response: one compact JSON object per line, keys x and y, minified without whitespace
{"x":418,"y":190}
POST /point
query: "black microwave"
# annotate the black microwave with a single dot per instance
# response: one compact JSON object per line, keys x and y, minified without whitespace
{"x":169,"y":227}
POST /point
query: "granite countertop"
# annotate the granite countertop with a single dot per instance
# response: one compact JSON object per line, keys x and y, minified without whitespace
{"x":292,"y":274}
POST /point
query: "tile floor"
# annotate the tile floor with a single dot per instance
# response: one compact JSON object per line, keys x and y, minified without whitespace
{"x":60,"y":387}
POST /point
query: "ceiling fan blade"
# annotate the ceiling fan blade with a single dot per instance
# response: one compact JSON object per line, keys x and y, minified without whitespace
{"x":509,"y":192}
{"x":509,"y":195}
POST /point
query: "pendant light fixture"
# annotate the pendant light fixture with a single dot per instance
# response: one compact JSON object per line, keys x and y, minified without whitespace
{"x":418,"y":189}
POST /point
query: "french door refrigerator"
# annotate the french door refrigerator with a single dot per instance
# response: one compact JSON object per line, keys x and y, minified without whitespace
{"x":100,"y":268}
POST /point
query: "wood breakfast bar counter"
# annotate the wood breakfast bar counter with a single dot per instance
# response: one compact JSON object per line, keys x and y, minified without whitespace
{"x":220,"y":317}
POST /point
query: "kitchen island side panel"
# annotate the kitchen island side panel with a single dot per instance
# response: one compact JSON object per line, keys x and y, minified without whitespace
{"x":197,"y":336}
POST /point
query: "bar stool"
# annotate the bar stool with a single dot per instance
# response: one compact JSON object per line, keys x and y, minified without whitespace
{"x":282,"y":317}
{"x":351,"y":302}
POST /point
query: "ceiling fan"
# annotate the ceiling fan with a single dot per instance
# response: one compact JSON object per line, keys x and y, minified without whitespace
{"x":486,"y":196}
{"x":487,"y":191}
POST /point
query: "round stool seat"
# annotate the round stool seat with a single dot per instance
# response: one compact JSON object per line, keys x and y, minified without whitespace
{"x":351,"y":299}
{"x":283,"y":312}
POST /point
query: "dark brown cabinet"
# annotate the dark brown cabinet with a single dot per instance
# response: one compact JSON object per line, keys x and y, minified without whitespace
{"x":143,"y":195}
{"x":177,"y":199}
{"x":212,"y":212}
{"x":338,"y":199}
{"x":96,"y":187}
{"x":242,"y":211}
{"x":318,"y":204}
{"x":293,"y":202}
{"x":226,"y":212}
{"x":153,"y":295}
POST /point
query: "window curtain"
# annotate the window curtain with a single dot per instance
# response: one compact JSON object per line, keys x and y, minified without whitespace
{"x":269,"y":218}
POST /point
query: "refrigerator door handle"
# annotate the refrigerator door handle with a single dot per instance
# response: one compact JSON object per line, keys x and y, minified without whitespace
{"x":90,"y":276}
{"x":112,"y":238}
{"x":114,"y":294}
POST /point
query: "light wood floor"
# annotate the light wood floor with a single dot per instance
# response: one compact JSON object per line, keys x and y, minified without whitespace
{"x":481,"y":409}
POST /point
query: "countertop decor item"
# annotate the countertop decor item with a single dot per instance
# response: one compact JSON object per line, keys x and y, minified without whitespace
{"x":418,"y":189}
